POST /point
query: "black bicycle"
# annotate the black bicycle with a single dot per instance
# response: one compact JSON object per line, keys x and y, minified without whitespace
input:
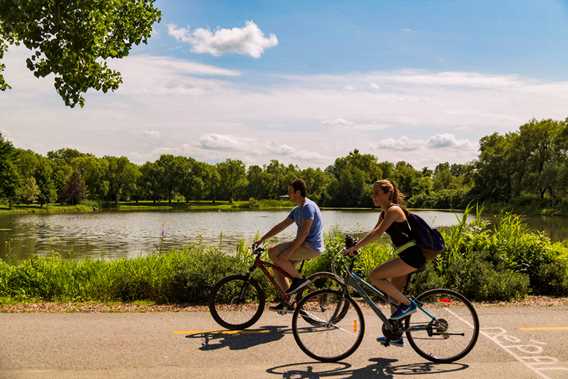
{"x":444,"y":328}
{"x":237,"y":301}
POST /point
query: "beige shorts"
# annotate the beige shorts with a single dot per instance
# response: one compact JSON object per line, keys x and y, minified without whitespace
{"x":301,"y":253}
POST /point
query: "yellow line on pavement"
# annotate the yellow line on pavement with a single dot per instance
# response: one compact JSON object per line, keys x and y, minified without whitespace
{"x":214,"y":331}
{"x":544,"y":328}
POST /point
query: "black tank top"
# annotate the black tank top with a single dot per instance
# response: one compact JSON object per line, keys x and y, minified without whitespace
{"x":399,"y":232}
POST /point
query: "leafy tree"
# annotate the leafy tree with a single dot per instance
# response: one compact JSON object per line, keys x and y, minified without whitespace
{"x":149,"y":181}
{"x":317,"y":182}
{"x":212,"y":180}
{"x":442,"y":176}
{"x":173,"y":170}
{"x":28,"y":191}
{"x":257,"y":182}
{"x":233,"y":178}
{"x":193,"y":183}
{"x":93,"y":170}
{"x":74,"y":40}
{"x":352,"y":178}
{"x":122,"y":176}
{"x":75,"y":189}
{"x":33,"y":165}
{"x":494,"y":171}
{"x":407,"y":178}
{"x":8,"y":174}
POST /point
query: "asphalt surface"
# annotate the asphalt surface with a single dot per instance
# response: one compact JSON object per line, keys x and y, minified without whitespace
{"x":515,"y":342}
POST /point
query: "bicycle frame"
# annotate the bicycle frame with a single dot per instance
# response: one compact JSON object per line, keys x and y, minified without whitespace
{"x":359,"y":284}
{"x":263,"y":266}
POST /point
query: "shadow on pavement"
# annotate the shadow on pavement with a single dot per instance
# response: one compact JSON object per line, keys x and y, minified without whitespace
{"x":380,"y":368}
{"x":239,"y":339}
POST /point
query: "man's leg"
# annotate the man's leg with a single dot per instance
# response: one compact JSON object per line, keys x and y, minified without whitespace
{"x":302,"y":253}
{"x":274,"y":253}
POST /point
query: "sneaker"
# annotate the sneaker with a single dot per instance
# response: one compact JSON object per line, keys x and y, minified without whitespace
{"x":297,"y":284}
{"x":403,"y":311}
{"x":386,"y":342}
{"x":281,"y":307}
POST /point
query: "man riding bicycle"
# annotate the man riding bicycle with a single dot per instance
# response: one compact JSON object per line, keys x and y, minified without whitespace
{"x":307,"y":244}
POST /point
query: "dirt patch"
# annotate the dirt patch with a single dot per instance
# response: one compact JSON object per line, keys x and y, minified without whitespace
{"x":87,"y":307}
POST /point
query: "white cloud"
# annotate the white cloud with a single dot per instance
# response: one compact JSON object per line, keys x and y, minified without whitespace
{"x":278,"y":149}
{"x":203,"y":112}
{"x":452,"y":79}
{"x":399,"y":144}
{"x":337,"y":122}
{"x":221,"y":142}
{"x":248,"y":40}
{"x":448,"y":140}
{"x":152,"y":133}
{"x":439,"y":141}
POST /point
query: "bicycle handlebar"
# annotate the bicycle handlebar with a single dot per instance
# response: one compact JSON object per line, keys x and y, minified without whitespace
{"x":349,"y":241}
{"x":257,"y":249}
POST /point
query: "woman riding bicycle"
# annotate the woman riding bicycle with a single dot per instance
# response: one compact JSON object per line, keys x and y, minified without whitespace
{"x":391,"y":277}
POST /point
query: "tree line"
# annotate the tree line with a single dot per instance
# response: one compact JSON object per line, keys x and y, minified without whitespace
{"x":522,"y":167}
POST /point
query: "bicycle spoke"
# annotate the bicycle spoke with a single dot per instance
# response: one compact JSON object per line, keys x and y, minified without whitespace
{"x":444,"y":328}
{"x":327,"y":326}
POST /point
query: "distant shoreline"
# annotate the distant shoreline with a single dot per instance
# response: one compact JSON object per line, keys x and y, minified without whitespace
{"x":224,"y":206}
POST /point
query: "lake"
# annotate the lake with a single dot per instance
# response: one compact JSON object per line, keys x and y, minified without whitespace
{"x":130,"y":234}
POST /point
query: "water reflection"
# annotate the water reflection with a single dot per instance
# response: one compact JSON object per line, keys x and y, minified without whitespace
{"x":130,"y":234}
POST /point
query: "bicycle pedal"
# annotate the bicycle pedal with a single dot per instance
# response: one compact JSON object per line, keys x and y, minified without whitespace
{"x":284,"y":312}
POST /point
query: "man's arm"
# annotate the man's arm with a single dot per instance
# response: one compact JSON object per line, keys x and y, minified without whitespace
{"x":276,"y":229}
{"x":300,"y":238}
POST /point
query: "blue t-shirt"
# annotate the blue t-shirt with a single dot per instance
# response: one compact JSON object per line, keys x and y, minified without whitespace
{"x":309,"y":211}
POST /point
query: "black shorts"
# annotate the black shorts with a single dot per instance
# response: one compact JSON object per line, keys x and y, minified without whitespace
{"x":413,"y":257}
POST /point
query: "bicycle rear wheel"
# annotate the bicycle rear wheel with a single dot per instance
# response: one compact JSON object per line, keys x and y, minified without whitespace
{"x":318,"y":330}
{"x":445,"y":327}
{"x":237,"y":302}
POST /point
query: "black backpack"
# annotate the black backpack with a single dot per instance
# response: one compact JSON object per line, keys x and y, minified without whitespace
{"x":429,"y":240}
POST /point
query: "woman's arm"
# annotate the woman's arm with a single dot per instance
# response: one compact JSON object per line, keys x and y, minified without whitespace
{"x":393,"y":214}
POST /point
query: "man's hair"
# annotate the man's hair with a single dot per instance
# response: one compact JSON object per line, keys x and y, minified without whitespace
{"x":299,"y":185}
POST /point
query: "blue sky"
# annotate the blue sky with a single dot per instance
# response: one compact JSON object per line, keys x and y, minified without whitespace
{"x":307,"y":81}
{"x":503,"y":37}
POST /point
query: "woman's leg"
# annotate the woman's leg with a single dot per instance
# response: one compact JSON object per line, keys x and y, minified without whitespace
{"x":391,"y":269}
{"x":399,"y":282}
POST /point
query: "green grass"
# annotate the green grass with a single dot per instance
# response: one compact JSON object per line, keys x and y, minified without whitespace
{"x":46,"y":209}
{"x":91,"y":206}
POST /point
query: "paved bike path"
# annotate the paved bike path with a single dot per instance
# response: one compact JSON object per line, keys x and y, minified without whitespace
{"x":516,"y":341}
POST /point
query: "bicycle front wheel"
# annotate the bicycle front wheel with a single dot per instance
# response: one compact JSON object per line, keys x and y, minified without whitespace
{"x":236,"y":302}
{"x":444,"y":328}
{"x":318,"y":330}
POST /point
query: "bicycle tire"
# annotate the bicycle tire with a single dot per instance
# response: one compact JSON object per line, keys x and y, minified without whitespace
{"x":213,"y":304}
{"x":297,"y":333}
{"x":475,"y":327}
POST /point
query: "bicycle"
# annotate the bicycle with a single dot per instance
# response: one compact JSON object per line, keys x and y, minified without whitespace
{"x":237,"y":301}
{"x":442,"y":315}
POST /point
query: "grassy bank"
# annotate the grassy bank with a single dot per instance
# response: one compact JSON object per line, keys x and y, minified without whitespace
{"x":504,"y":261}
{"x":92,"y":206}
{"x":20,"y":209}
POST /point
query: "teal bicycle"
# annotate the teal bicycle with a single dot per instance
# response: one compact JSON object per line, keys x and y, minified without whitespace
{"x":444,"y":328}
